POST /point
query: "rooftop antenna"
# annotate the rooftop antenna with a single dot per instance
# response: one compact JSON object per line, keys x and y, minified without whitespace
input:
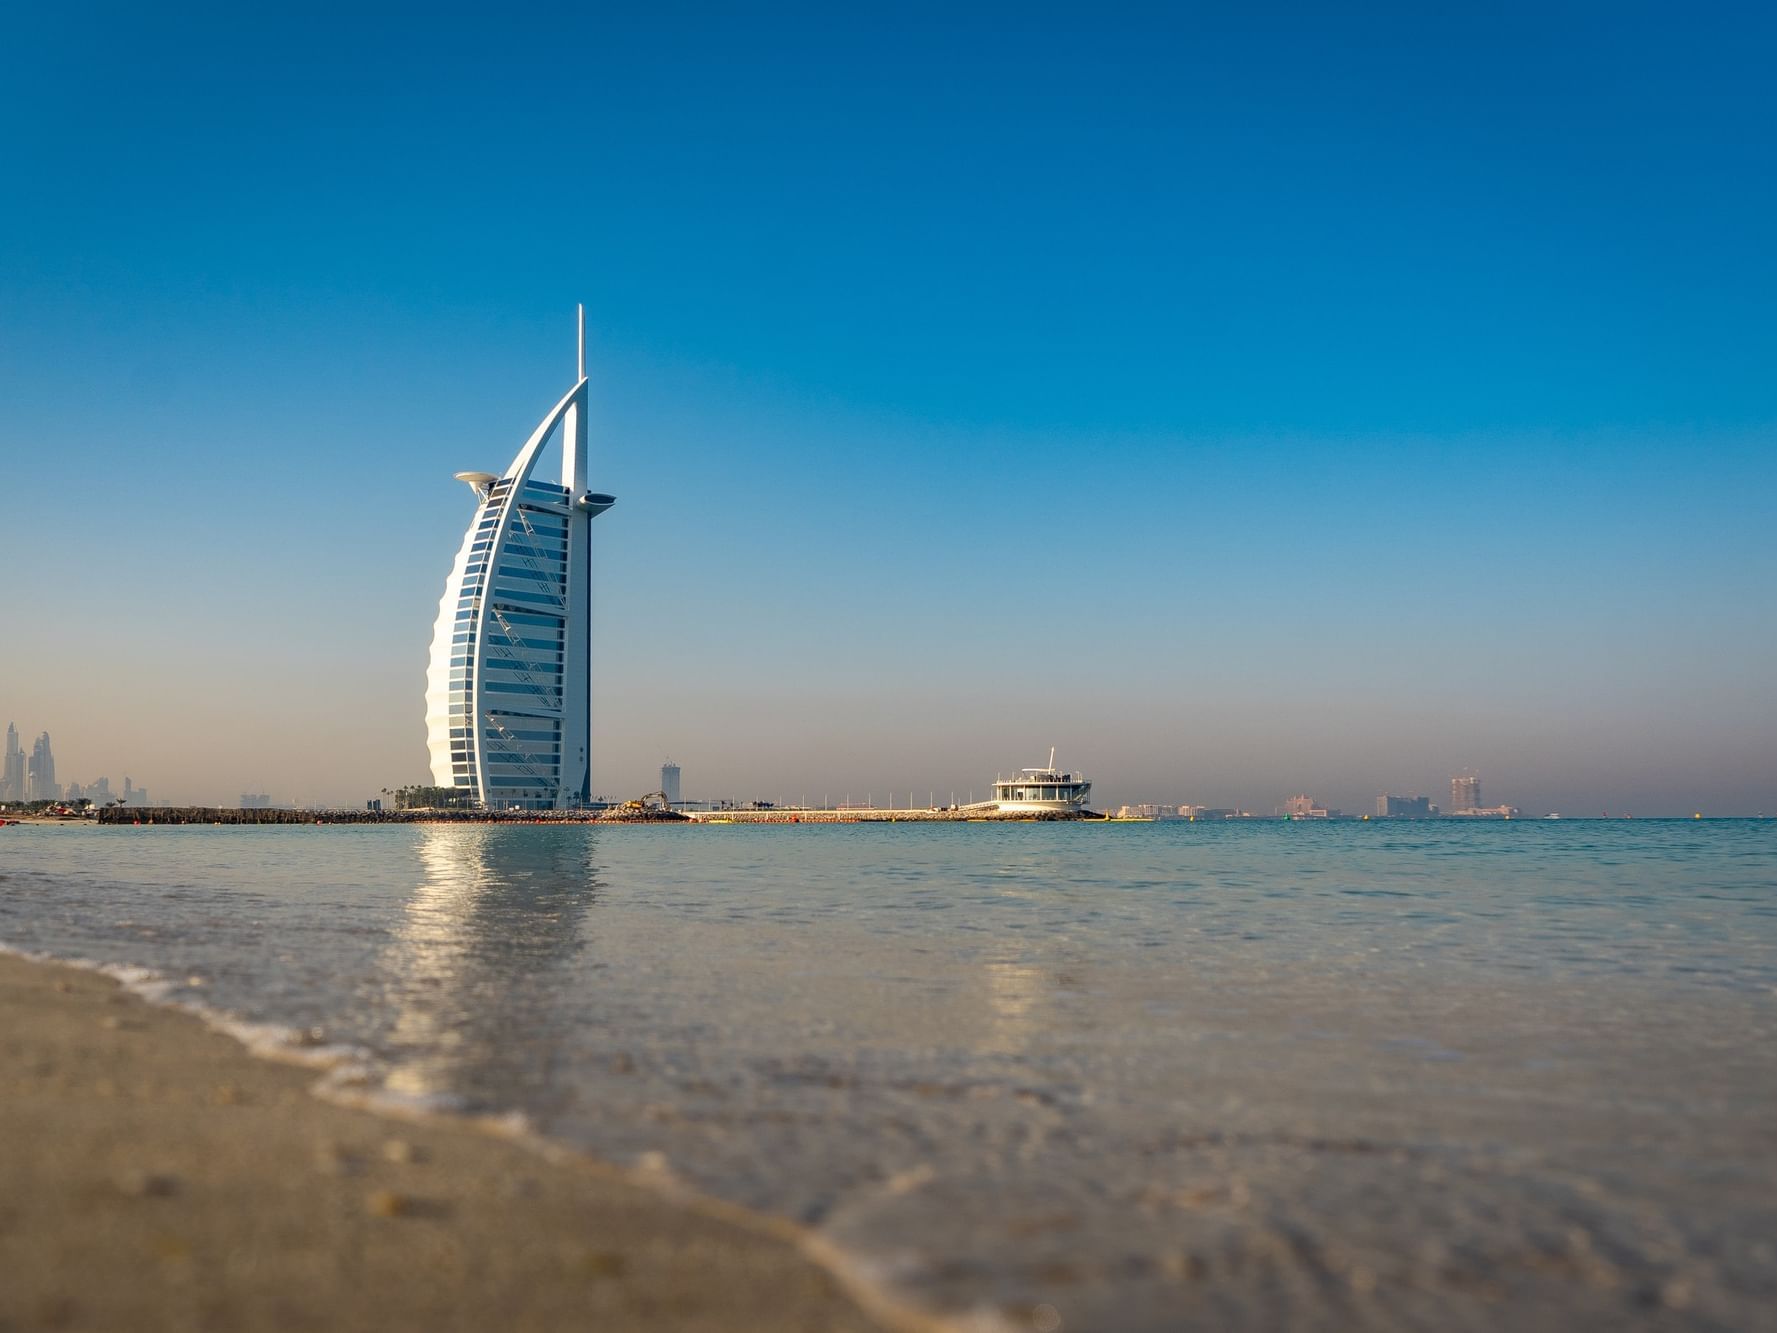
{"x":581,"y":309}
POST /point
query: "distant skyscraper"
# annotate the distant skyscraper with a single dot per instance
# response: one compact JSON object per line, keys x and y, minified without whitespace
{"x":1465,"y":792}
{"x":1411,"y":807}
{"x":12,"y":775}
{"x":669,"y":781}
{"x":508,"y":692}
{"x":40,"y":771}
{"x":1303,"y":807}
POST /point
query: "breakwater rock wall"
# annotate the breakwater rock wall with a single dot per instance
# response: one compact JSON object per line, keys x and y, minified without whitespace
{"x":200,"y":814}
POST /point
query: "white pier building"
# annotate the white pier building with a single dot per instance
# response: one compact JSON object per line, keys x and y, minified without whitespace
{"x":508,"y":691}
{"x":1041,"y":791}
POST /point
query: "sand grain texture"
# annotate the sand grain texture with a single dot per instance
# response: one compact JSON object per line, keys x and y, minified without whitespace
{"x":153,"y":1175}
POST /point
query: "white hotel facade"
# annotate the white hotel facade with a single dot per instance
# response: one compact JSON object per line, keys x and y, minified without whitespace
{"x":508,"y":691}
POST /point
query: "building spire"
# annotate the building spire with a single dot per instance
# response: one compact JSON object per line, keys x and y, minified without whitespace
{"x":581,"y":309}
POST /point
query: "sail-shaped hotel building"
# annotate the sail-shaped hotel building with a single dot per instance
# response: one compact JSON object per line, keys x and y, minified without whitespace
{"x":508,"y":692}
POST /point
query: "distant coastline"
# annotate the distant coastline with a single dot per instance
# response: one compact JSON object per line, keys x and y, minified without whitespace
{"x":231,"y":817}
{"x":220,"y":815}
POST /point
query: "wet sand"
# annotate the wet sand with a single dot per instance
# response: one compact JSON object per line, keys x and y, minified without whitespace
{"x":154,"y":1175}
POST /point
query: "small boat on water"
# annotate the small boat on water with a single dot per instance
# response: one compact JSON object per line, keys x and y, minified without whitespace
{"x":1042,"y":791}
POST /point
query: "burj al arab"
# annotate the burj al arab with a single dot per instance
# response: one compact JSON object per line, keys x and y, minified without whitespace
{"x":508,"y":691}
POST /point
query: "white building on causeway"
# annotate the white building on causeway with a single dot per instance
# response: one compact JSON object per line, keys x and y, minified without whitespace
{"x":508,"y":707}
{"x":1041,"y":791}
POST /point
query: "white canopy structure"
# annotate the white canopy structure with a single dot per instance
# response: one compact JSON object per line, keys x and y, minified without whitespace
{"x":508,"y":692}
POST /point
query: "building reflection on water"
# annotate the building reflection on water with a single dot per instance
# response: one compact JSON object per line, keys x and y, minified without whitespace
{"x":478,"y":978}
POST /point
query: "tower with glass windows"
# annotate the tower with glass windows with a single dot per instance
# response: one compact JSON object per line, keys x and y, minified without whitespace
{"x":508,"y":691}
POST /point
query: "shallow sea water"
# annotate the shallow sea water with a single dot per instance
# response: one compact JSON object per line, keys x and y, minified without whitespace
{"x":1087,"y":1077}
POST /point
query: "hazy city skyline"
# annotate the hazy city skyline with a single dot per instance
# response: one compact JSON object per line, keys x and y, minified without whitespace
{"x":1204,"y":794}
{"x":1248,"y":407}
{"x":32,"y":776}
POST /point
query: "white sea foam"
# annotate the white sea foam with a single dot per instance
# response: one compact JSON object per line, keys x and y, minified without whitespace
{"x":288,"y":1045}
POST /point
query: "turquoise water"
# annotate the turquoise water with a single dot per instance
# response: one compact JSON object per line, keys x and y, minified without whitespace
{"x":1127,"y":1077}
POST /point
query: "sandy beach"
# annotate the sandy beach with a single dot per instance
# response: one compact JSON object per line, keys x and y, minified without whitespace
{"x":154,"y":1175}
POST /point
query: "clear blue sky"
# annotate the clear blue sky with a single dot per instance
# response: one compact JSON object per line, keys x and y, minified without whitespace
{"x":1248,"y":401}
